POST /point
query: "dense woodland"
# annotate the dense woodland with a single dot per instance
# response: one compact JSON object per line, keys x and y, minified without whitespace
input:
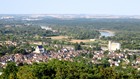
{"x":110,"y":24}
{"x":74,"y":28}
{"x":56,"y":69}
{"x":126,"y":30}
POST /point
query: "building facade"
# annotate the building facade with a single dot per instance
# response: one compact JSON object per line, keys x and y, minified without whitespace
{"x":112,"y":46}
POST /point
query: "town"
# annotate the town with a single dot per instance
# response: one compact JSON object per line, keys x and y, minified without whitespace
{"x":109,"y":56}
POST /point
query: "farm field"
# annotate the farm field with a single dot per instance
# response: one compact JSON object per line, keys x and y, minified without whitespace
{"x":58,"y":37}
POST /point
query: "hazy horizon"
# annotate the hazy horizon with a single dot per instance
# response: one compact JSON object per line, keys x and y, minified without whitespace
{"x":93,"y":7}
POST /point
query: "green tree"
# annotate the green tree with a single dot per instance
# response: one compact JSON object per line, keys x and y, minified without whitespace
{"x":77,"y":46}
{"x":26,"y":72}
{"x":10,"y":71}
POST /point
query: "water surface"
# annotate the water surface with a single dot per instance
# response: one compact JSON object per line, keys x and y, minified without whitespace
{"x":106,"y":34}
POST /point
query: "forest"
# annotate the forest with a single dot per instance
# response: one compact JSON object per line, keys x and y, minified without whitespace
{"x":78,"y":28}
{"x":126,"y":30}
{"x":55,"y":69}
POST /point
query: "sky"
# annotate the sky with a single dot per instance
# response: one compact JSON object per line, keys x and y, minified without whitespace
{"x":108,"y":7}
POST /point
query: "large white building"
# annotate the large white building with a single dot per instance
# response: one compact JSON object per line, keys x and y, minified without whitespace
{"x":112,"y":46}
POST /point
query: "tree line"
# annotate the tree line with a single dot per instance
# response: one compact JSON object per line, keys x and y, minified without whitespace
{"x":55,"y":69}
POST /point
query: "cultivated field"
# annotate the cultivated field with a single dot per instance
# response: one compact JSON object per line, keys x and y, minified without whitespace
{"x":72,"y":40}
{"x":58,"y":37}
{"x":78,"y":41}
